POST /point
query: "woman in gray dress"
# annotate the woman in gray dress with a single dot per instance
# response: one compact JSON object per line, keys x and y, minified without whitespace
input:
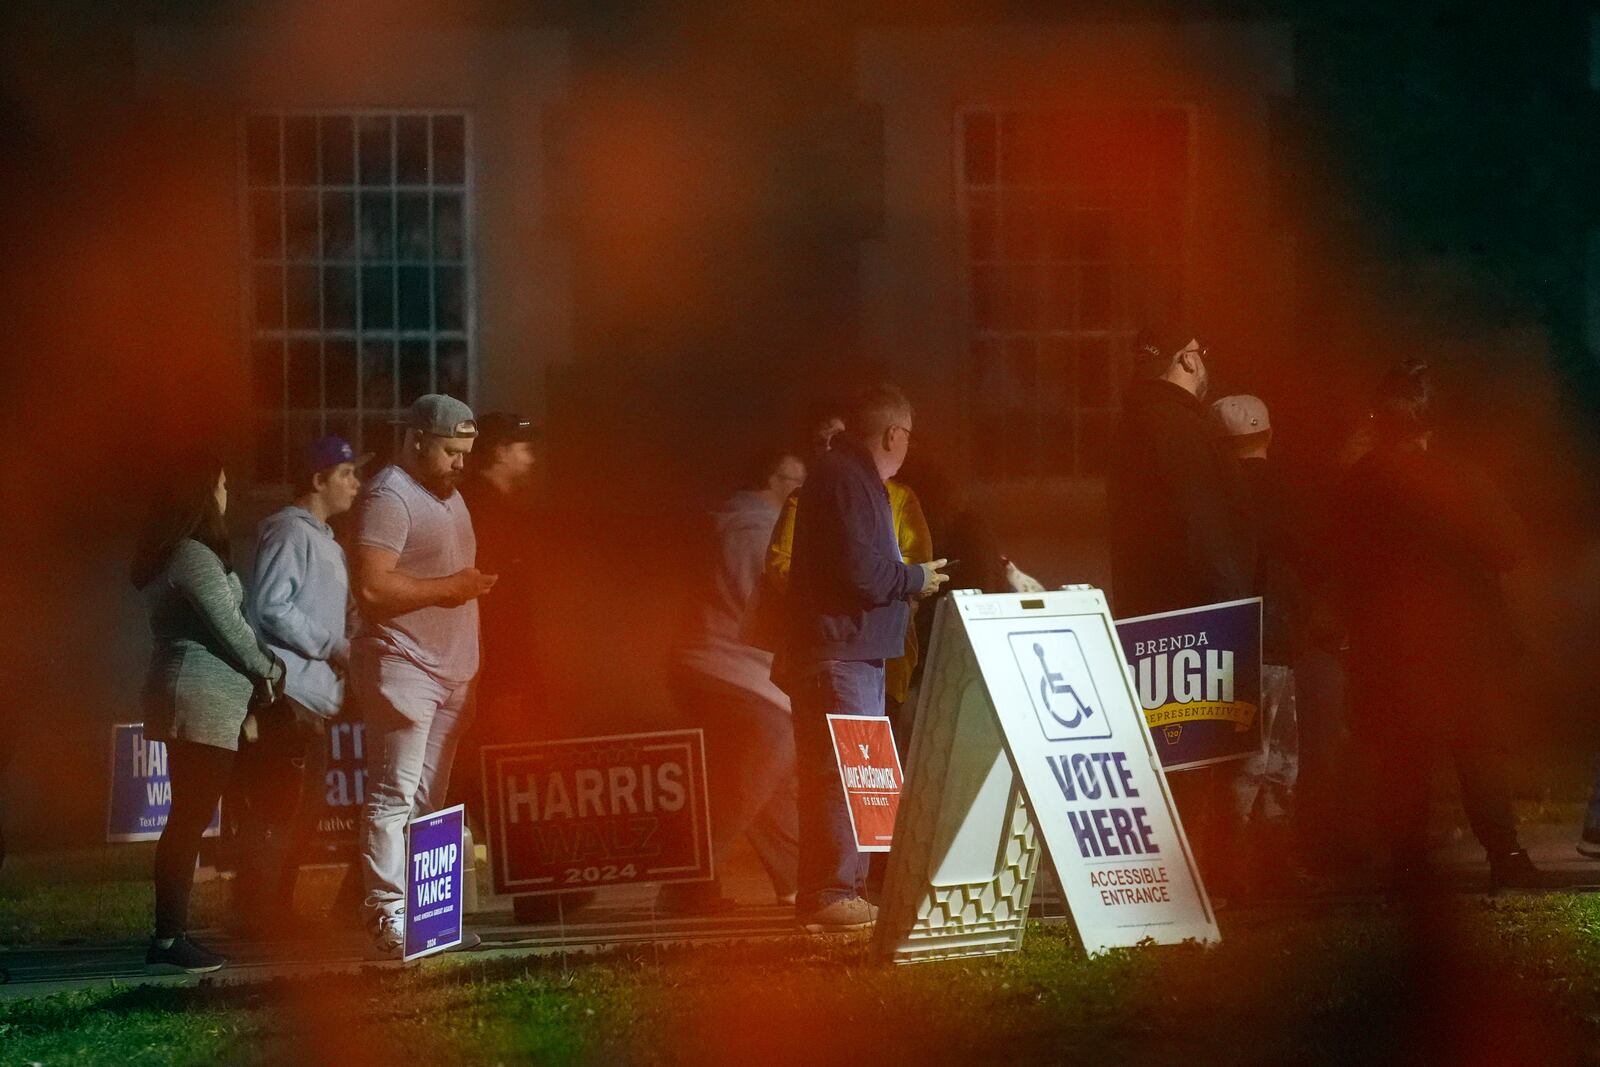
{"x":207,"y":670}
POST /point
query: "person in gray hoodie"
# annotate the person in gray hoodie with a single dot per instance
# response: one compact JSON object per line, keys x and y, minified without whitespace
{"x":207,"y":670}
{"x":299,"y":602}
{"x":722,"y":683}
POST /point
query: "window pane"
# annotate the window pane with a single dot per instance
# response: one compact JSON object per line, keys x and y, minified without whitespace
{"x":447,"y":226}
{"x":266,"y":225}
{"x":261,"y":149}
{"x":416,"y":371}
{"x":305,"y":292}
{"x":981,"y":227}
{"x":269,"y":451}
{"x":266,"y":375}
{"x":415,"y":240}
{"x":411,"y":150}
{"x":452,"y":368}
{"x":449,"y":149}
{"x":339,"y":298}
{"x":304,"y":238}
{"x":339,"y":378}
{"x":377,"y":226}
{"x":300,"y":150}
{"x":1061,"y":303}
{"x":1019,"y":226}
{"x":305,"y":375}
{"x":338,"y":226}
{"x":377,"y":298}
{"x":415,"y":308}
{"x":1094,"y":441}
{"x":980,"y":149}
{"x":381,"y":437}
{"x":377,"y":375}
{"x":377,"y":167}
{"x":448,"y":299}
{"x":338,"y":150}
{"x":268,"y":289}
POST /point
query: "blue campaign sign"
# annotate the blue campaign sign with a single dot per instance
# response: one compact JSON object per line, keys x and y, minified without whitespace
{"x":1198,"y":676}
{"x":141,"y":787}
{"x":435,"y":867}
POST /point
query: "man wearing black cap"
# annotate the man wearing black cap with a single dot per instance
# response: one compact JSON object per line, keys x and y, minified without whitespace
{"x":510,"y":687}
{"x":298,"y":603}
{"x":417,"y":582}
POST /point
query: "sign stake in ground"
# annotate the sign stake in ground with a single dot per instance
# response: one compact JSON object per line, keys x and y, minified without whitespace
{"x":1029,"y":732}
{"x":436,"y":859}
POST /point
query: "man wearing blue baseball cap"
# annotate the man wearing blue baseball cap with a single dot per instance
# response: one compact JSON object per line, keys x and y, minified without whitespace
{"x":298,"y":603}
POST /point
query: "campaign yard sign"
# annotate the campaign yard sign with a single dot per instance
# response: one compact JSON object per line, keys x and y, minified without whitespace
{"x":141,"y":787}
{"x":1198,"y":675}
{"x":344,"y":786}
{"x":435,"y":870}
{"x":869,"y":771}
{"x":598,"y":811}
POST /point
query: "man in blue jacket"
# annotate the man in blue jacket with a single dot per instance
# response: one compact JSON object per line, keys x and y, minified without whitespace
{"x":849,"y":603}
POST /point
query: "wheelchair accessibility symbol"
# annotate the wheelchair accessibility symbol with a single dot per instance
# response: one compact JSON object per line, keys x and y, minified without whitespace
{"x":1052,"y":685}
{"x":1063,"y":694}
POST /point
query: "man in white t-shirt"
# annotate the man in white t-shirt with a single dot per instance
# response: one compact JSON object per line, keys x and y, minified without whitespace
{"x":416,"y":652}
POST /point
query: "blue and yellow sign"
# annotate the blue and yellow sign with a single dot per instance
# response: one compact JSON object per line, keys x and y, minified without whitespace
{"x":1198,"y":676}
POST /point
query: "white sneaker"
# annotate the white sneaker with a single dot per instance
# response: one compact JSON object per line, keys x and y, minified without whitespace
{"x":388,"y":937}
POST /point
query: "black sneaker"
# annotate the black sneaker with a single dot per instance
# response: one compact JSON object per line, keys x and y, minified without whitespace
{"x":1514,"y":870}
{"x":181,"y":957}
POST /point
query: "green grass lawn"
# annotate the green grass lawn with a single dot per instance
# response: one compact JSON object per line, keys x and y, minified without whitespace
{"x":1500,"y":981}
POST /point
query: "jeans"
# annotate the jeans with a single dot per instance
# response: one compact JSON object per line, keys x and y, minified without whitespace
{"x":750,"y":764}
{"x":1266,"y":779}
{"x":831,"y":869}
{"x":414,"y":722}
{"x":199,"y":775}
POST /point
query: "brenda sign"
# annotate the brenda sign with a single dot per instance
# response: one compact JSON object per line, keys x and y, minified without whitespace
{"x":598,"y":811}
{"x":1198,"y":676}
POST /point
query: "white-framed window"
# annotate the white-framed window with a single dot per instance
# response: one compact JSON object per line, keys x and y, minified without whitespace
{"x":1075,"y":227}
{"x":359,"y":279}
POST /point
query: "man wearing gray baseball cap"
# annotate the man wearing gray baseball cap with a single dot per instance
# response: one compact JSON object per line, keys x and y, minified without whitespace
{"x":415,"y":655}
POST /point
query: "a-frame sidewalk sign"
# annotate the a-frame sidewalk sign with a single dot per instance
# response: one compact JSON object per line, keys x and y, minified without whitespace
{"x":1029,"y":734}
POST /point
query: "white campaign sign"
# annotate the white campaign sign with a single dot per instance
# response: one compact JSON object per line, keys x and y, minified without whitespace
{"x":1033,"y":693}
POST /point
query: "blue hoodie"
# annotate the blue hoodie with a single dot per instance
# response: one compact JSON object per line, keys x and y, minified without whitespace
{"x":299,"y":604}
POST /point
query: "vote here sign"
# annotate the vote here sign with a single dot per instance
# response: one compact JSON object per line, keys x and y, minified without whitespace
{"x":869,"y":771}
{"x":1198,"y":676}
{"x":598,"y":811}
{"x":435,"y":870}
{"x":141,"y":787}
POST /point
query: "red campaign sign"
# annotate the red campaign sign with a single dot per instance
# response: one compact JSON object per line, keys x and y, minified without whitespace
{"x":869,"y":771}
{"x":598,"y":811}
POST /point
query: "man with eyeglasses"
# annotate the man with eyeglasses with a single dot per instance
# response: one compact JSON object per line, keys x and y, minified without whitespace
{"x":848,"y":607}
{"x":1178,"y":536}
{"x":1177,"y":540}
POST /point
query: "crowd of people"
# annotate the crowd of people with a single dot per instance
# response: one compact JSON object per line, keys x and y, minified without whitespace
{"x":805,"y":604}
